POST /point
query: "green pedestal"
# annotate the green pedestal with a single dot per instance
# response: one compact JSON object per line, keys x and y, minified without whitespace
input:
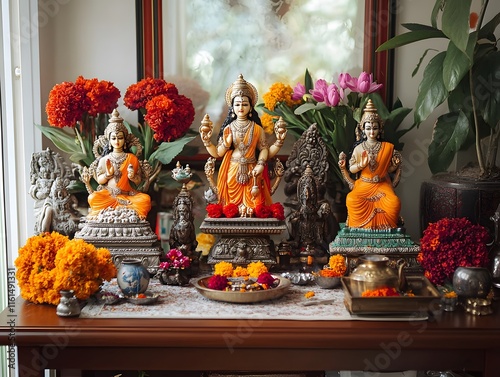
{"x":394,"y":243}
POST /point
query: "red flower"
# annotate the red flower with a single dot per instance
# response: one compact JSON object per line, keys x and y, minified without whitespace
{"x":66,"y":105}
{"x":266,"y":278}
{"x":230,"y":210}
{"x":214,"y":210}
{"x":262,"y":211}
{"x":102,"y":95}
{"x":217,"y":282}
{"x":169,"y":116}
{"x":138,"y":95}
{"x":278,"y":211}
{"x":451,"y":243}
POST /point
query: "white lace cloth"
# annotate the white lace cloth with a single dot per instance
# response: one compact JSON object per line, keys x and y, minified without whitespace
{"x":187,"y":303}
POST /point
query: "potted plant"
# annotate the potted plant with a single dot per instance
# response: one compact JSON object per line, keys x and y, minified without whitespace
{"x":464,"y":76}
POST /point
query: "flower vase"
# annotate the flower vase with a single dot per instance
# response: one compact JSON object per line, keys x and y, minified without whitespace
{"x":174,"y":276}
{"x":68,"y":306}
{"x":132,"y":277}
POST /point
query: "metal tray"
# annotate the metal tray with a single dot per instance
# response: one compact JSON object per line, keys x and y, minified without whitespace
{"x":425,"y":298}
{"x":242,"y":297}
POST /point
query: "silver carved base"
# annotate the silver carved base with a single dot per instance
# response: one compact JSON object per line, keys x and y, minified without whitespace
{"x":243,"y":240}
{"x":128,"y":240}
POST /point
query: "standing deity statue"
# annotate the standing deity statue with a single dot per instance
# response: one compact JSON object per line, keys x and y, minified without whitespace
{"x":244,"y":175}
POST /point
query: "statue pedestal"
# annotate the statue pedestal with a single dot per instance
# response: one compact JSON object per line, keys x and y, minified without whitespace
{"x":243,"y":240}
{"x":124,"y":241}
{"x":394,"y":243}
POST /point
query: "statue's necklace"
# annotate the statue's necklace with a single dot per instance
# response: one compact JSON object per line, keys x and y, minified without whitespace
{"x":240,"y":132}
{"x":117,"y":161}
{"x":372,"y":151}
{"x":241,"y":129}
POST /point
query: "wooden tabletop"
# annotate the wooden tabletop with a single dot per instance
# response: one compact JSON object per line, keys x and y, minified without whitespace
{"x":448,"y":340}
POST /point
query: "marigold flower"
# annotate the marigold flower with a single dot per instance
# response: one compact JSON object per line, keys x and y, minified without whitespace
{"x":380,"y":292}
{"x":50,"y":262}
{"x":66,"y":105}
{"x":309,"y":294}
{"x":223,"y":269}
{"x":450,"y":243}
{"x":240,"y":271}
{"x":338,"y":264}
{"x":205,"y":242}
{"x":279,"y":92}
{"x":256,"y":268}
{"x":139,"y":94}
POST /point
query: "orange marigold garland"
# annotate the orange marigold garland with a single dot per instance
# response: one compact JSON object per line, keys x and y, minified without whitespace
{"x":380,"y":292}
{"x":50,"y":262}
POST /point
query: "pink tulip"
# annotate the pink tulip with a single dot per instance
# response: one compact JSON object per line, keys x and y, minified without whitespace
{"x":345,"y":80}
{"x":365,"y":83}
{"x":298,"y":92}
{"x":333,"y":96}
{"x":319,"y":92}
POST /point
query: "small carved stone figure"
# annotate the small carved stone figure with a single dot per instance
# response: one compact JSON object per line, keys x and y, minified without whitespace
{"x":55,"y":208}
{"x":306,"y":224}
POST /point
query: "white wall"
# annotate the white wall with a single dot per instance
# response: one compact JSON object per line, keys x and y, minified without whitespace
{"x":91,"y":38}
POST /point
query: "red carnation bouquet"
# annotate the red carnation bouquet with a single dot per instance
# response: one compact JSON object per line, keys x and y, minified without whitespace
{"x":451,"y":243}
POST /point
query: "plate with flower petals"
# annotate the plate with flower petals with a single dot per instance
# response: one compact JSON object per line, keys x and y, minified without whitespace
{"x":248,"y":297}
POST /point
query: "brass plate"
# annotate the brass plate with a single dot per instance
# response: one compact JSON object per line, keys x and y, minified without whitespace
{"x":425,"y":294}
{"x":242,"y":297}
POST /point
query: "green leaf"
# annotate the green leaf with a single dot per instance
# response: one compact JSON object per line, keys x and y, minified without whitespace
{"x":304,"y":107}
{"x":455,"y":22}
{"x":450,"y":133}
{"x":414,"y":26}
{"x":410,"y":37}
{"x":485,"y":77}
{"x":432,"y":91}
{"x":457,"y":63}
{"x":166,"y":152}
{"x":420,"y":61}
{"x":435,"y":11}
{"x":308,"y":82}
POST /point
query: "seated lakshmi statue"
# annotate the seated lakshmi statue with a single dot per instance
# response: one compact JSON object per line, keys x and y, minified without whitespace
{"x":372,"y":203}
{"x":118,"y":172}
{"x":243,"y":176}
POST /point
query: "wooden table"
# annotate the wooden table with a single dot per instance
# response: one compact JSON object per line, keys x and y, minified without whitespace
{"x":447,"y":341}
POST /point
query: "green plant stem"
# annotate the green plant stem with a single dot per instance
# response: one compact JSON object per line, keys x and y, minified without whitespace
{"x":479,"y":150}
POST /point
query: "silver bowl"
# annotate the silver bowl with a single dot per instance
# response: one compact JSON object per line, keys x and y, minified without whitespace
{"x":327,"y":282}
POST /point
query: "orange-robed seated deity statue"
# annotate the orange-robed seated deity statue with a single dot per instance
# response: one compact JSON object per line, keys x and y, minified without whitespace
{"x":243,"y":176}
{"x":117,"y":171}
{"x":372,"y":202}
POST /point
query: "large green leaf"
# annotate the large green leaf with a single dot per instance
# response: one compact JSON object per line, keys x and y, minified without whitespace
{"x":432,"y":91}
{"x":457,"y":63}
{"x":410,"y":37}
{"x":486,"y":75}
{"x":435,"y":11}
{"x":455,"y":22}
{"x":308,"y":83}
{"x":166,"y":152}
{"x":62,"y":140}
{"x":450,"y":132}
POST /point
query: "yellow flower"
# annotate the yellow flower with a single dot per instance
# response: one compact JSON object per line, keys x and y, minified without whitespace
{"x":337,"y":264}
{"x":309,"y":294}
{"x":205,"y":242}
{"x":223,"y":269}
{"x":240,"y":272}
{"x":50,"y":262}
{"x":268,"y":122}
{"x":279,"y":92}
{"x":451,"y":294}
{"x":256,"y":268}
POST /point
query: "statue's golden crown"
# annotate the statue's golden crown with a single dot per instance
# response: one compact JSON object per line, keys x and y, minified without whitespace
{"x":240,"y":88}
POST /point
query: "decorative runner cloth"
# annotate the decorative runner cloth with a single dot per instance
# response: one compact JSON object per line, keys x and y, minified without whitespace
{"x":187,"y":303}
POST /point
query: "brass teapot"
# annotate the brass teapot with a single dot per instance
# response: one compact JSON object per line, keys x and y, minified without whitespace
{"x":374,"y":272}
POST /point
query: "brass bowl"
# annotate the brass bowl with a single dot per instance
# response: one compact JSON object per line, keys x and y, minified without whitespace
{"x":326,"y":282}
